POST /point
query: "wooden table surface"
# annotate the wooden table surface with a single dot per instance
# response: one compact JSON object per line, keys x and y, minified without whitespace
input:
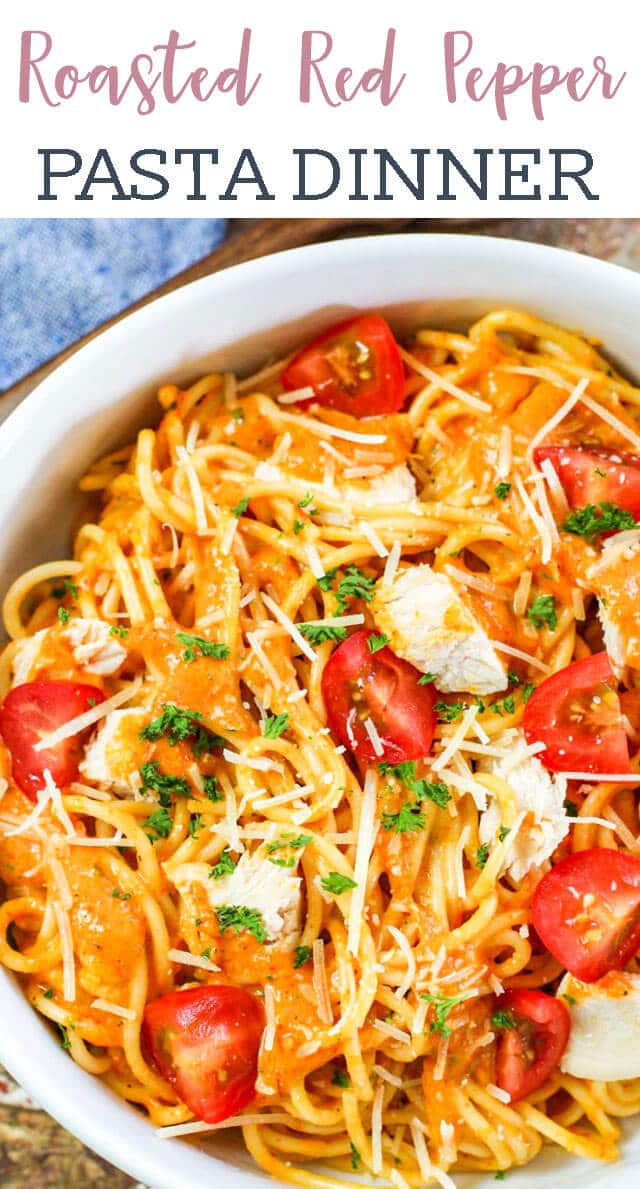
{"x":34,"y":1151}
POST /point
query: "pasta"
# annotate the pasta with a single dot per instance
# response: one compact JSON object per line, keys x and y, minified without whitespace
{"x":216,"y":828}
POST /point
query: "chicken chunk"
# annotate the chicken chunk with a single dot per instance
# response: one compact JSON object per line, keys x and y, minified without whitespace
{"x":428,"y":624}
{"x":536,"y":793}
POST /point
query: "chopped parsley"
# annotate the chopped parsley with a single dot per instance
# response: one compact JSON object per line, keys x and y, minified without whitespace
{"x":543,"y":612}
{"x":48,"y":994}
{"x":326,"y":582}
{"x":426,"y":679}
{"x":527,"y":692}
{"x":502,"y":1019}
{"x":225,"y":865}
{"x":355,"y":585}
{"x":513,"y":678}
{"x":305,"y":501}
{"x":298,"y":526}
{"x":501,"y":1175}
{"x":336,"y":883}
{"x":448,"y":711}
{"x":178,"y":725}
{"x":239,"y":918}
{"x":601,"y":474}
{"x":570,"y":1000}
{"x":275,"y":725}
{"x":195,"y":822}
{"x":66,"y":1043}
{"x":159,"y":825}
{"x":482,"y":854}
{"x":118,"y":895}
{"x":408,"y":820}
{"x":302,"y":955}
{"x":211,"y":789}
{"x":63,"y":615}
{"x":198,"y":644}
{"x":340,"y":1078}
{"x":424,"y":790}
{"x":502,"y":490}
{"x":376,"y":642}
{"x":503,"y":832}
{"x":122,"y":633}
{"x":159,"y":782}
{"x":241,"y":507}
{"x":287,"y":842}
{"x":355,"y":1156}
{"x":571,"y":808}
{"x":591,"y":521}
{"x":238,"y":415}
{"x":508,"y":705}
{"x":442,"y":1005}
{"x":319,"y":633}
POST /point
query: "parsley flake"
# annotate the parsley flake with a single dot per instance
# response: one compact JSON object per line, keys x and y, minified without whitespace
{"x":63,"y":615}
{"x":503,"y":1019}
{"x":448,"y":711}
{"x":319,"y":633}
{"x":275,"y":725}
{"x":336,"y":883}
{"x":159,"y":782}
{"x":340,"y":1078}
{"x":482,"y":854}
{"x":120,"y":632}
{"x":241,"y":507}
{"x":543,"y":611}
{"x":195,"y":644}
{"x":502,"y":490}
{"x":376,"y":642}
{"x":302,"y":955}
{"x":225,"y":865}
{"x":408,"y":820}
{"x":211,"y":789}
{"x":159,"y":824}
{"x":426,"y":679}
{"x":591,"y":521}
{"x":239,"y":918}
{"x":442,"y":1005}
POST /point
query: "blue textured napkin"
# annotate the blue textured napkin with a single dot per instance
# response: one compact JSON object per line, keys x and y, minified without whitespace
{"x":60,"y":278}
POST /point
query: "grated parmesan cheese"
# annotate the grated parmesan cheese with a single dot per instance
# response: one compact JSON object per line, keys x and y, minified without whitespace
{"x":537,"y":521}
{"x":313,"y":558}
{"x":270,"y":1012}
{"x":194,"y":486}
{"x":66,"y":945}
{"x":297,"y":396}
{"x":374,"y":539}
{"x":475,"y":582}
{"x":374,"y":737}
{"x":391,"y":564}
{"x":290,"y":627}
{"x":364,"y":848}
{"x":89,"y":717}
{"x":320,"y":983}
{"x":520,"y":655}
{"x":184,"y":958}
{"x":555,"y":486}
{"x":505,"y":452}
{"x":559,"y":414}
{"x":386,"y":1076}
{"x":407,"y":953}
{"x":521,"y":596}
{"x":439,"y":381}
{"x":469,"y":716}
{"x":114,"y":1009}
{"x":497,"y":1093}
{"x":392,"y":1032}
{"x":612,"y":420}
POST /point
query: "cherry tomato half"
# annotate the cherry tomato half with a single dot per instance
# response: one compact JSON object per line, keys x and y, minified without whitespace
{"x":358,"y":684}
{"x":33,"y":710}
{"x":586,"y":911}
{"x":595,"y":476}
{"x":528,"y":1052}
{"x":354,"y":367}
{"x":576,"y":714}
{"x":205,"y":1042}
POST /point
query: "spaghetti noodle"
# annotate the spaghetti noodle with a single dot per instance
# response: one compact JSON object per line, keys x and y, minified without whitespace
{"x":214,"y":830}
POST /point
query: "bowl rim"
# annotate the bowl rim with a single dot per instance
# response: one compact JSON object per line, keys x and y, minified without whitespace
{"x":154,"y":1162}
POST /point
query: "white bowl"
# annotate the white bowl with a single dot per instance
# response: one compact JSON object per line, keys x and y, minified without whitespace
{"x":238,"y":318}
